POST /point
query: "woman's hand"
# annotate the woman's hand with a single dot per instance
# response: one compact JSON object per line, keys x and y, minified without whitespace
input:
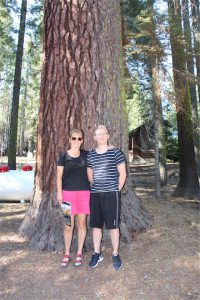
{"x":59,"y":184}
{"x":110,"y":147}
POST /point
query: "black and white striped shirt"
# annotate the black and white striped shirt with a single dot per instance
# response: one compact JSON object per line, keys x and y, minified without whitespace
{"x":105,"y":172}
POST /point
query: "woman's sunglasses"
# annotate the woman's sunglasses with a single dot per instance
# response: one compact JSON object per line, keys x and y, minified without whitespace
{"x":73,"y":138}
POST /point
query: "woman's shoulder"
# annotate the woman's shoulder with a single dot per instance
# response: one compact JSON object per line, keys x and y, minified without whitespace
{"x":62,"y":153}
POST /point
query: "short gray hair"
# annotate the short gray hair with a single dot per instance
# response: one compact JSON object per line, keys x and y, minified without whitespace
{"x":101,"y":127}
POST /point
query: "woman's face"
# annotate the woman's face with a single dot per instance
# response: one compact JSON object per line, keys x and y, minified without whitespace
{"x":76,"y":140}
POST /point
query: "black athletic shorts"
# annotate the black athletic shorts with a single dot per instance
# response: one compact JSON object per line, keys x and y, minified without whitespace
{"x":105,"y":207}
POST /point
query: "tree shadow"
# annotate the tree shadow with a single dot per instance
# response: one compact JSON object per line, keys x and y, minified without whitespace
{"x":13,"y":213}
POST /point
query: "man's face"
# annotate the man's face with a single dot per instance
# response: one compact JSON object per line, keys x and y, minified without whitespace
{"x":101,"y":136}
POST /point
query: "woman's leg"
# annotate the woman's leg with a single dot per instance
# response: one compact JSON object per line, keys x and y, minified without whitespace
{"x":82,"y":230}
{"x":68,"y":231}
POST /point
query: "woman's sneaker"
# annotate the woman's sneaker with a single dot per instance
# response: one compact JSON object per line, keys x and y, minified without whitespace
{"x":95,"y":259}
{"x":117,"y":264}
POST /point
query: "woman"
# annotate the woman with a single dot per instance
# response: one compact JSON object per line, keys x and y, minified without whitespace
{"x":73,"y":187}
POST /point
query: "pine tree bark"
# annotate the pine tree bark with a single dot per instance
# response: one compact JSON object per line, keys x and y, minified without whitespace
{"x":82,"y":87}
{"x":191,"y":75}
{"x":196,"y":36}
{"x":12,"y":146}
{"x":188,"y":186}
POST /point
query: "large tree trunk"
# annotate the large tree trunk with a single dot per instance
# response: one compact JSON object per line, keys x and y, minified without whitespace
{"x":190,"y":70}
{"x":81,"y":87}
{"x":188,"y":186}
{"x":16,"y":90}
{"x":196,"y":36}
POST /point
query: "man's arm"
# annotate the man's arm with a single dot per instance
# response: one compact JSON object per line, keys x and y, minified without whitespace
{"x":122,"y":175}
{"x":59,"y":183}
{"x":90,"y":174}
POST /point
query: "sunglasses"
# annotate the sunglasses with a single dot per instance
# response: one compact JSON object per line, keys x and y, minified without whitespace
{"x":75,"y":138}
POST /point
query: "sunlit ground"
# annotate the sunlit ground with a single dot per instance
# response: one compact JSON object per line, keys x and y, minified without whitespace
{"x":161,"y":264}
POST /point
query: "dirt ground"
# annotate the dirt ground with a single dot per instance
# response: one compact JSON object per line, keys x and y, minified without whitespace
{"x":163,"y":263}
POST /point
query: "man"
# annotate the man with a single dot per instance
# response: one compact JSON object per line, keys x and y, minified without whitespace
{"x":107,"y":174}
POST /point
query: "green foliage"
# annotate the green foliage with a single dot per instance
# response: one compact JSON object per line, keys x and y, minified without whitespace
{"x":171,"y":137}
{"x":141,"y":48}
{"x":31,"y":70}
{"x":31,"y":77}
{"x":133,"y":105}
{"x":7,"y":60}
{"x":7,"y":44}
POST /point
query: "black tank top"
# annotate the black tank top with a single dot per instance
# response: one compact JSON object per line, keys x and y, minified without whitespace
{"x":75,"y":171}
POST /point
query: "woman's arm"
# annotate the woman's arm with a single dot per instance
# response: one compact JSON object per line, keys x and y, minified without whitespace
{"x":90,"y":174}
{"x":59,"y":183}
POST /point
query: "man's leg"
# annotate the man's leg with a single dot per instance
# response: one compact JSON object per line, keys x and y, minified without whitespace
{"x":114,"y":235}
{"x":97,"y":236}
{"x":96,"y":256}
{"x":96,"y":222}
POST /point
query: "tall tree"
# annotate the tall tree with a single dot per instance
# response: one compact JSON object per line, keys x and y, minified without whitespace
{"x":143,"y":31}
{"x":81,"y":86}
{"x":16,"y":90}
{"x":7,"y":48}
{"x":196,"y":35}
{"x":22,"y":124}
{"x":188,"y":186}
{"x":154,"y":60}
{"x":191,"y":76}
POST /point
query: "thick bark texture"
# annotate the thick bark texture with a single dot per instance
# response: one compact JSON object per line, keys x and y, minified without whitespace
{"x":196,"y":36}
{"x":190,"y":70}
{"x":16,"y":90}
{"x":81,"y":87}
{"x":188,"y":186}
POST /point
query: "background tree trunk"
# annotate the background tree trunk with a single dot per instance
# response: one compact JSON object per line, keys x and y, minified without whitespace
{"x":16,"y":90}
{"x":154,"y":60}
{"x":22,"y":122}
{"x":81,"y":87}
{"x":188,"y":186}
{"x":157,"y":100}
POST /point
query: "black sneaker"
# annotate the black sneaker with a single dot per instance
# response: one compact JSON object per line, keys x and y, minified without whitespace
{"x":117,"y":264}
{"x":95,"y":259}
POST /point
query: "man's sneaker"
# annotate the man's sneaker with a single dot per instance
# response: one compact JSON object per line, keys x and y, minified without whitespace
{"x":117,"y":264}
{"x":95,"y":259}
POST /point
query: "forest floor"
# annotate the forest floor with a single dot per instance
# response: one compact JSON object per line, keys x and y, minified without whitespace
{"x":161,"y":264}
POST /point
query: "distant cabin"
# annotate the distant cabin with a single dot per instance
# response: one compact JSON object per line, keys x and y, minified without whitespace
{"x":141,"y":144}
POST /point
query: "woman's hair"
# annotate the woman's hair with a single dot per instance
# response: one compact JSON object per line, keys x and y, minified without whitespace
{"x":75,"y":130}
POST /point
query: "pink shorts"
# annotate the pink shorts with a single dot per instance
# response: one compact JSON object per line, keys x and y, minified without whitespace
{"x":80,"y":201}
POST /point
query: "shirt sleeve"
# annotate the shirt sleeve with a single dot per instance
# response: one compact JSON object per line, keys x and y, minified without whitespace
{"x":61,"y":159}
{"x":119,"y":157}
{"x":89,"y":164}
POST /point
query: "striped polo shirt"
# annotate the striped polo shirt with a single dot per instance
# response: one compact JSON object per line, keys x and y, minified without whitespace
{"x":105,"y":172}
